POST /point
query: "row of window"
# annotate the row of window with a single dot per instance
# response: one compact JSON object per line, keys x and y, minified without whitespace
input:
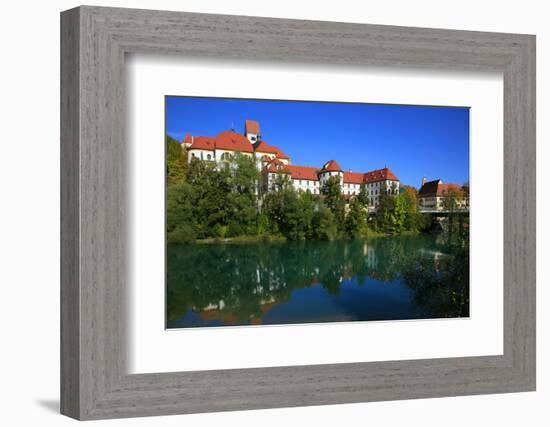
{"x":224,"y":156}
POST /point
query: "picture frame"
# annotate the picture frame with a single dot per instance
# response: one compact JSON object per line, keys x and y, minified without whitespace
{"x":94,"y":380}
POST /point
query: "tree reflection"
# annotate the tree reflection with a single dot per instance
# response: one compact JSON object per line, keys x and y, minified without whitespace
{"x":237,"y":284}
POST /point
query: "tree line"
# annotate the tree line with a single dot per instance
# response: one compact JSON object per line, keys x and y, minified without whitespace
{"x":208,"y":200}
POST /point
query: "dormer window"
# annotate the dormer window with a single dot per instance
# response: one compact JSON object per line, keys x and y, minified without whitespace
{"x":253,"y":138}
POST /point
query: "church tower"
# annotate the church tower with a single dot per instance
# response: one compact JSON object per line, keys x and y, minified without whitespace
{"x":331,"y":168}
{"x":252,"y":131}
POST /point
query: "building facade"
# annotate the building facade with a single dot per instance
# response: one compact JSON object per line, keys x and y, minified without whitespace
{"x":435,"y":196}
{"x":275,"y":165}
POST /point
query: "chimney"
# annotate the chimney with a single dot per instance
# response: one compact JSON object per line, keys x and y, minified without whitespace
{"x":423,"y":181}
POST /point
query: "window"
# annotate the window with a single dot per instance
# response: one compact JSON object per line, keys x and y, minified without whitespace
{"x":209,"y":157}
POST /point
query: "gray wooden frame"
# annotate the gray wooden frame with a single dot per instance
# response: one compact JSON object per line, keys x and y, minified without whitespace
{"x":94,"y":41}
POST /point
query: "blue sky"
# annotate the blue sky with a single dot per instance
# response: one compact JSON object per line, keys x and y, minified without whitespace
{"x":413,"y":141}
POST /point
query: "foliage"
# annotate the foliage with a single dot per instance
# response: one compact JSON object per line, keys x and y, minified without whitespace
{"x":176,"y":160}
{"x":399,"y":214}
{"x":334,"y":200}
{"x":443,"y":290}
{"x":205,"y":200}
{"x":355,"y":219}
{"x":323,"y":224}
{"x":363,"y":196}
{"x":255,"y":273}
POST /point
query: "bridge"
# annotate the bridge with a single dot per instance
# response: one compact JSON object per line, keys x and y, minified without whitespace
{"x":440,"y":218}
{"x":444,"y":212}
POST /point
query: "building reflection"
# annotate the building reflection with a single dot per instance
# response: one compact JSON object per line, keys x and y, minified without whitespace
{"x":239,"y":284}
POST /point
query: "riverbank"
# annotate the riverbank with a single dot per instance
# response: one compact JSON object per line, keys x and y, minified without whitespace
{"x":241,"y":239}
{"x":279,"y":238}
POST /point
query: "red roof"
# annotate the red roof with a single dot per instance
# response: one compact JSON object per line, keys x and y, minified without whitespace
{"x":264,"y":147}
{"x":354,"y":177}
{"x":276,"y":165}
{"x":331,"y":166}
{"x":437,"y":188}
{"x":188,"y":139}
{"x":380,"y":175}
{"x":233,"y":142}
{"x":281,"y":155}
{"x":251,"y":126}
{"x":203,"y":143}
{"x":303,"y":172}
{"x":443,"y":189}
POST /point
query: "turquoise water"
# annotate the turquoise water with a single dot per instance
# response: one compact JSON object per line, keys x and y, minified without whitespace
{"x":385,"y":278}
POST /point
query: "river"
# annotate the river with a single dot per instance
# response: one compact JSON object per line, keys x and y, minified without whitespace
{"x":383,"y":278}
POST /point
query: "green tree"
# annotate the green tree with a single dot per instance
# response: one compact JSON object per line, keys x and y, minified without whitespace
{"x":213,"y":187}
{"x":355,"y":218}
{"x":391,"y":213}
{"x":180,"y":213}
{"x":243,"y":199}
{"x":452,"y":201}
{"x":363,"y":196}
{"x":334,"y":201}
{"x":307,"y":207}
{"x":414,"y":220}
{"x":324,"y":225}
{"x":398,"y":214}
{"x":272,"y":209}
{"x":292,"y":221}
{"x":176,"y":161}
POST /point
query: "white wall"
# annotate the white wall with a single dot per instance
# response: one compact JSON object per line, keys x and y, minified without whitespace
{"x":29,"y":214}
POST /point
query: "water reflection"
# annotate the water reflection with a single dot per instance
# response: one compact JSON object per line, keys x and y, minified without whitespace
{"x":297,"y":282}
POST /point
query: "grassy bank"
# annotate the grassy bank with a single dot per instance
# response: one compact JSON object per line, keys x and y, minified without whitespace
{"x":241,"y":239}
{"x":267,"y":238}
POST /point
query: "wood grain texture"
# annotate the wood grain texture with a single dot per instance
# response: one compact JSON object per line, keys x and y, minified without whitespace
{"x":94,"y":235}
{"x":70,"y":291}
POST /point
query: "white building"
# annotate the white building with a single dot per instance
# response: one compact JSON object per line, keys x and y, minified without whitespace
{"x":432,"y":195}
{"x":275,"y":165}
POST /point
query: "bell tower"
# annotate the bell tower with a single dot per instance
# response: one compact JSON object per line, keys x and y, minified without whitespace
{"x":252,"y":131}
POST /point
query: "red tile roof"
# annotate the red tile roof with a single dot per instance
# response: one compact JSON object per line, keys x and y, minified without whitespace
{"x":251,"y":126}
{"x":380,"y":175}
{"x":234,"y":142}
{"x":203,"y":143}
{"x":443,"y":189}
{"x":188,"y":139}
{"x":354,"y":177}
{"x":281,"y":155}
{"x":303,"y":172}
{"x":331,"y":166}
{"x":264,"y":147}
{"x":276,"y":165}
{"x":437,"y":188}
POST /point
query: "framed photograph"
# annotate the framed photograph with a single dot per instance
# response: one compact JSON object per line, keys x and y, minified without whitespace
{"x":262,"y":213}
